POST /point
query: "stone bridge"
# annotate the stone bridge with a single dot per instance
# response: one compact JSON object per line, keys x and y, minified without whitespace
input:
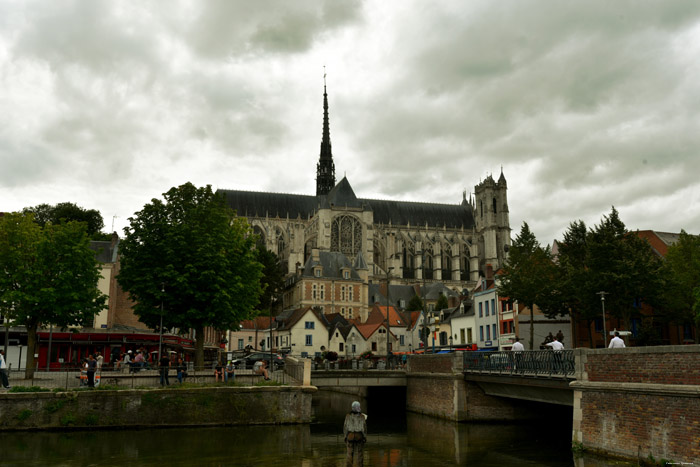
{"x":631,"y":403}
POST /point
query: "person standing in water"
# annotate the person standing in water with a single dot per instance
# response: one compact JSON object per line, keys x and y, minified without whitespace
{"x":355,"y":431}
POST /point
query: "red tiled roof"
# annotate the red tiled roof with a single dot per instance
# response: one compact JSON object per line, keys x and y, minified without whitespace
{"x":378,"y":314}
{"x":259,"y":322}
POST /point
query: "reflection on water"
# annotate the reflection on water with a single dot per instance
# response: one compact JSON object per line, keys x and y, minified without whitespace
{"x":396,"y":439}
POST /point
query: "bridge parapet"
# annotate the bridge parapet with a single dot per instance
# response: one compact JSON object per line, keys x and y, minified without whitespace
{"x":640,"y":401}
{"x":535,"y":363}
{"x":678,"y":364}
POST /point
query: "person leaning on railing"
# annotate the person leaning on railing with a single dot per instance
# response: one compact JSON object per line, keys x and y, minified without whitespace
{"x":517,"y":350}
{"x":557,"y":347}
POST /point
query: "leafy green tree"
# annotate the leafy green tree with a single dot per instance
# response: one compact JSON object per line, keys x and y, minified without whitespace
{"x":272,"y":279}
{"x":529,"y":276}
{"x":682,"y":272}
{"x":625,"y":266}
{"x":48,"y":276}
{"x":192,"y":256}
{"x":66,"y":212}
{"x":607,"y":258}
{"x":578,"y":292}
{"x":415,"y":304}
{"x":441,"y":303}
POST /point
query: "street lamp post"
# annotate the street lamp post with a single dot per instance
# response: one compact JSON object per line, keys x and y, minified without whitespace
{"x":160,"y":329}
{"x":388,"y":304}
{"x":48,"y":356}
{"x":602,"y":302}
{"x":272,"y":365}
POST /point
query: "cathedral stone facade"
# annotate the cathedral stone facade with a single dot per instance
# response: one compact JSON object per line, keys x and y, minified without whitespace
{"x":406,"y":242}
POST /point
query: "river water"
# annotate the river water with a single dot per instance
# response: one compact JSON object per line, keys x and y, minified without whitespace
{"x":396,"y":439}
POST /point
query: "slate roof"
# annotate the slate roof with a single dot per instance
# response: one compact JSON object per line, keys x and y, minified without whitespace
{"x":342,"y":195}
{"x":104,"y":253}
{"x":431,"y":292}
{"x":332,"y":262}
{"x":261,"y":204}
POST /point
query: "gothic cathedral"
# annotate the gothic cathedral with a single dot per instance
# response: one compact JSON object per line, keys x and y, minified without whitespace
{"x":411,"y":242}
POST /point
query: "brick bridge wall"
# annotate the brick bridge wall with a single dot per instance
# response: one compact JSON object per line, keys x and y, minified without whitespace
{"x":435,"y":386}
{"x":641,"y":401}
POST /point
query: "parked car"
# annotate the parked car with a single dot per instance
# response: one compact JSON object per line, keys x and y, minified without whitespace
{"x":249,"y":360}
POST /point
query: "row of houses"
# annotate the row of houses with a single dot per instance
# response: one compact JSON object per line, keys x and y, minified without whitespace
{"x":474,"y":319}
{"x":323,"y":315}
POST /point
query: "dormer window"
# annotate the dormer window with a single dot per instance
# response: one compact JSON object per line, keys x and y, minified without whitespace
{"x":317,"y":272}
{"x":346,"y":274}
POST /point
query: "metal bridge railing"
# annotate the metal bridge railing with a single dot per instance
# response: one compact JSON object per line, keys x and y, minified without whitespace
{"x":526,"y":363}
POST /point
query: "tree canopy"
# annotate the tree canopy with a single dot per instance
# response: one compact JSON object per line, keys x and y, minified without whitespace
{"x":190,"y":256}
{"x":272,"y":279}
{"x":415,"y":304}
{"x":66,"y":212}
{"x":682,"y":273}
{"x":610,"y":259}
{"x":48,"y":275}
{"x":529,"y":276}
{"x":441,"y":303}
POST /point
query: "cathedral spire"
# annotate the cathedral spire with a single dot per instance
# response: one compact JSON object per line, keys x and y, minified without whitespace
{"x":325,"y":169}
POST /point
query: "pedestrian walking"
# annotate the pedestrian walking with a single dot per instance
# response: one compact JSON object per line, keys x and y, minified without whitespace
{"x":517,"y":350}
{"x":100,"y":360}
{"x":91,"y":367}
{"x":180,"y":370}
{"x":355,"y":431}
{"x":4,"y":375}
{"x":616,"y":342}
{"x":164,"y":369}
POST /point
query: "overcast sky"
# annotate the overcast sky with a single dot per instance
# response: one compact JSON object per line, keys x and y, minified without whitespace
{"x":584,"y":105}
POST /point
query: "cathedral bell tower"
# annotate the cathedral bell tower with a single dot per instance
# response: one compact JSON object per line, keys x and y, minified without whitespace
{"x":325,"y":169}
{"x":492,"y":221}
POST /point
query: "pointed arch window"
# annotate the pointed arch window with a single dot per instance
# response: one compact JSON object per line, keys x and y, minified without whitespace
{"x":346,"y":235}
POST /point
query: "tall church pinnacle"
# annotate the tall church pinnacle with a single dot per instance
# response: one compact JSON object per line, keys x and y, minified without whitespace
{"x":325,"y":169}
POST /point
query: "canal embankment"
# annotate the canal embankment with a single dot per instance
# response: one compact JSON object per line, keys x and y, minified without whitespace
{"x":131,"y":408}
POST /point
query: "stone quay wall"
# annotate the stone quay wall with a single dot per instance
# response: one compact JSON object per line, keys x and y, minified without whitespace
{"x":639,"y":402}
{"x":156,"y":408}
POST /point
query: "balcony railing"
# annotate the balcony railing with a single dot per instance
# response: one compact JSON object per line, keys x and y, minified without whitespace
{"x":526,"y":363}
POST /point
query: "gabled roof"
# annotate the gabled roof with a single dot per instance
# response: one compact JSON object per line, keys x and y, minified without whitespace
{"x":259,"y":322}
{"x":659,"y":241}
{"x":378,"y":314}
{"x":459,"y":313}
{"x":297,"y":315}
{"x":104,"y":251}
{"x":344,"y":330}
{"x":359,"y":263}
{"x":368,"y":329}
{"x":342,"y":195}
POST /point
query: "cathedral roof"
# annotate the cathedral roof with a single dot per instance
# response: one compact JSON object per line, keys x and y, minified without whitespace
{"x":452,"y":216}
{"x":359,"y":263}
{"x":342,"y":195}
{"x":261,"y":204}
